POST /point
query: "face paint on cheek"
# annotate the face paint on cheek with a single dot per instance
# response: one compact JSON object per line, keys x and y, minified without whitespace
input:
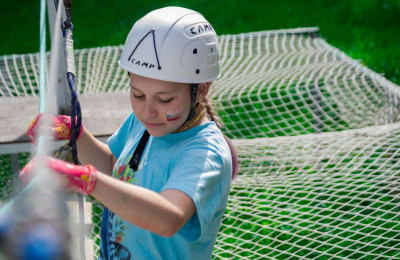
{"x":173,"y":115}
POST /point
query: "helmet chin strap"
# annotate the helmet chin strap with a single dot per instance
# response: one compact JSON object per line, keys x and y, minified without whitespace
{"x":193,"y":103}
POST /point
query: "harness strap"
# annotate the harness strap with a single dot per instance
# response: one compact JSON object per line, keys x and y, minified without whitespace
{"x":104,"y":234}
{"x":133,"y":164}
{"x":137,"y":155}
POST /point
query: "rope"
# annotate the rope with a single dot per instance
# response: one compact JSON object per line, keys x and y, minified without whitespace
{"x":41,"y":145}
{"x":42,"y":57}
{"x":76,"y":116}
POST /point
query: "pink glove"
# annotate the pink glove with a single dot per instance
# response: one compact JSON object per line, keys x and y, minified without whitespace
{"x":61,"y":127}
{"x":76,"y":178}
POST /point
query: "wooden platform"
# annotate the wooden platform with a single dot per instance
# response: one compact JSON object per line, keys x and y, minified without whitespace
{"x":102,"y":115}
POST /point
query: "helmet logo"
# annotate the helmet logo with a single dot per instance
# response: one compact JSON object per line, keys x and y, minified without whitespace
{"x":198,"y":29}
{"x":201,"y":28}
{"x":143,"y":63}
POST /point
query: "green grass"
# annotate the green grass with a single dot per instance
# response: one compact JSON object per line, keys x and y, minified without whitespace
{"x":325,"y":219}
{"x":367,"y":30}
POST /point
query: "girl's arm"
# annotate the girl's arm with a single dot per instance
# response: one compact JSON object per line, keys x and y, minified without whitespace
{"x":94,"y":152}
{"x":161,"y":213}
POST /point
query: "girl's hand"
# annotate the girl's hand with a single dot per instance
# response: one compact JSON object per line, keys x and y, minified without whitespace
{"x":60,"y":127}
{"x":74,"y":178}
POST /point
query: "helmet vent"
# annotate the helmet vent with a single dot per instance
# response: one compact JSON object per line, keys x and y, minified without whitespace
{"x":195,"y":51}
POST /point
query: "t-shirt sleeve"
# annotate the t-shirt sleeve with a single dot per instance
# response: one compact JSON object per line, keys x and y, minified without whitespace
{"x":117,"y":141}
{"x":197,"y":173}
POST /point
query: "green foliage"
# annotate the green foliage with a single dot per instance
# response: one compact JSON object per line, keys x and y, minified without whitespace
{"x":365,"y":30}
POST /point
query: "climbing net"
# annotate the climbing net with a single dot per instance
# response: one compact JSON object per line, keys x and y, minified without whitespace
{"x":318,"y":138}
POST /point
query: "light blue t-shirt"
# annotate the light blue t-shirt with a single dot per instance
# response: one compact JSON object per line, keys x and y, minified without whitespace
{"x":196,"y":162}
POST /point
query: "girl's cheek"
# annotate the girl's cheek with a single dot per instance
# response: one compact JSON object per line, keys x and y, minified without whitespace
{"x":175,"y":114}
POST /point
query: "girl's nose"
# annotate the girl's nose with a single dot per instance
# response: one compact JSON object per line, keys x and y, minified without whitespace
{"x":149,"y":109}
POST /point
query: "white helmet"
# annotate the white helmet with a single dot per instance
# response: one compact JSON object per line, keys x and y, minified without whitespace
{"x":172,"y":44}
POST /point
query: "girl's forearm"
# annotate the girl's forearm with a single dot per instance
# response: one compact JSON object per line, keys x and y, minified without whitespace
{"x":94,"y":152}
{"x":161,"y":213}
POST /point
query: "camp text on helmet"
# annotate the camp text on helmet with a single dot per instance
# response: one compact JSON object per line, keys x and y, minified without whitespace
{"x":198,"y":29}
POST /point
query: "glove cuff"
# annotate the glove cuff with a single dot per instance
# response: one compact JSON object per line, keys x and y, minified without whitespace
{"x":91,"y":180}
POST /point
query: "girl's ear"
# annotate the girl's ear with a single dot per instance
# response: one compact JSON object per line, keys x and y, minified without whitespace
{"x":202,"y":91}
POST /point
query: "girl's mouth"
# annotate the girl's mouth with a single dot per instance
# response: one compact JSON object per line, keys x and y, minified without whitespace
{"x":152,"y":124}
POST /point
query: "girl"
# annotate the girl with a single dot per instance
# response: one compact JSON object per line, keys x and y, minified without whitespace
{"x":164,"y":176}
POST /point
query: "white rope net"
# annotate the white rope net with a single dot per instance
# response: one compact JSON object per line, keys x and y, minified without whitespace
{"x":317,"y":134}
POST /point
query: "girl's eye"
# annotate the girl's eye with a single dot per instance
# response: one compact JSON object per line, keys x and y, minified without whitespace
{"x":138,"y":96}
{"x":166,"y":100}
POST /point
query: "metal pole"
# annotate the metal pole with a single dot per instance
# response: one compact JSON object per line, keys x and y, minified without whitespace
{"x":62,"y":89}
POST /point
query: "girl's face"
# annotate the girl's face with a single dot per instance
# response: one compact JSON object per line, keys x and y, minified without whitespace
{"x":161,"y":106}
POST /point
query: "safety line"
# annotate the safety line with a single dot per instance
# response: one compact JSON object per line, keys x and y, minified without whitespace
{"x":42,"y":58}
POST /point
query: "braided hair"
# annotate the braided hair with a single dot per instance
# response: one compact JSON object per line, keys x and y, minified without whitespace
{"x":213,"y":117}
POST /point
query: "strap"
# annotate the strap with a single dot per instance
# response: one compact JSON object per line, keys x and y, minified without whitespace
{"x":137,"y":155}
{"x":104,"y":234}
{"x":133,"y":164}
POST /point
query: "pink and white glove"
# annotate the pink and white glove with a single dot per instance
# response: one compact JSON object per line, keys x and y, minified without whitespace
{"x":60,"y":127}
{"x":75,"y":178}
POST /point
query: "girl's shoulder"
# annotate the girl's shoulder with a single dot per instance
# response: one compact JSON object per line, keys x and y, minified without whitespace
{"x":206,"y":136}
